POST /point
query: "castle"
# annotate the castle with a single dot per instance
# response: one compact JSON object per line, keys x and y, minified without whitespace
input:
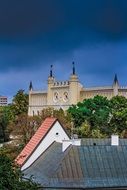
{"x":64,"y":94}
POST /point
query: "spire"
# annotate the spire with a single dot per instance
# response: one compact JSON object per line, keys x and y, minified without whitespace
{"x":31,"y":86}
{"x":115,"y":80}
{"x":73,"y":68}
{"x":51,"y":71}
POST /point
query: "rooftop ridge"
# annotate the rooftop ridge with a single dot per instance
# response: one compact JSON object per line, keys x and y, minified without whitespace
{"x":38,"y":91}
{"x":98,"y":88}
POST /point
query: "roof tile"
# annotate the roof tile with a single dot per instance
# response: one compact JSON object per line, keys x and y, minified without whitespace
{"x":35,"y":140}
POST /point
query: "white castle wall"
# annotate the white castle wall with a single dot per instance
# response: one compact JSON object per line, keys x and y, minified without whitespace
{"x":76,"y":93}
{"x":37,"y":100}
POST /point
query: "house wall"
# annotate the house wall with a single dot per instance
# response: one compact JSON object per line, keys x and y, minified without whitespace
{"x":56,"y":133}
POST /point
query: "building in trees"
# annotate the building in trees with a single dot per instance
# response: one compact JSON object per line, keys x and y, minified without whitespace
{"x":3,"y":100}
{"x":65,"y":93}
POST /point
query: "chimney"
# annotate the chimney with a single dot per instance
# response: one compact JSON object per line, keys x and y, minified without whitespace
{"x":114,"y":140}
{"x":67,"y":143}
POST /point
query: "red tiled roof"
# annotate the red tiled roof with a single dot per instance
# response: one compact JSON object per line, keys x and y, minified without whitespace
{"x":35,"y":140}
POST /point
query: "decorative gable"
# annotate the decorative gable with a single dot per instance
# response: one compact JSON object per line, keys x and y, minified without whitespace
{"x":51,"y":130}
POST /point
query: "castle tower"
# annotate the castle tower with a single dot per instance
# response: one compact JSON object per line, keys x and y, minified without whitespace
{"x":74,"y":86}
{"x":115,"y":85}
{"x":51,"y":81}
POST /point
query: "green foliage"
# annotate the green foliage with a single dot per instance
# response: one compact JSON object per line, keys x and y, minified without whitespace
{"x":118,"y":122}
{"x":10,"y":150}
{"x":105,"y":117}
{"x":16,"y":113}
{"x":83,"y":131}
{"x":25,"y":126}
{"x":95,"y":111}
{"x":20,"y":103}
{"x":118,"y":103}
{"x":64,"y":117}
{"x":6,"y":118}
{"x":8,"y":114}
{"x":96,"y":133}
{"x":11,"y":177}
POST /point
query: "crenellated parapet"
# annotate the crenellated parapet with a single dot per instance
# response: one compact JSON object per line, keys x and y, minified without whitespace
{"x":60,"y":83}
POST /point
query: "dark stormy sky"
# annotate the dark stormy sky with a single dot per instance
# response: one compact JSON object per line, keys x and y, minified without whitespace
{"x":37,"y":33}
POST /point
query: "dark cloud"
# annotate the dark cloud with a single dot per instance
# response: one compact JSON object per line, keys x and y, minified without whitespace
{"x":35,"y":34}
{"x":27,"y":18}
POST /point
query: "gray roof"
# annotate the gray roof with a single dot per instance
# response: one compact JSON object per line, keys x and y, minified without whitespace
{"x":44,"y":167}
{"x":84,"y":166}
{"x":95,"y":141}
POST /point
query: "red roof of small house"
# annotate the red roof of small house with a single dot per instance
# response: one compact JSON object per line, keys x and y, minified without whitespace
{"x":35,"y":140}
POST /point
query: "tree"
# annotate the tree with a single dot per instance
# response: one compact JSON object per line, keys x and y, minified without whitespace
{"x":20,"y":103}
{"x":11,"y":177}
{"x":118,"y":103}
{"x":64,"y":117}
{"x":99,"y":111}
{"x":105,"y":117}
{"x":95,"y":111}
{"x":118,"y":122}
{"x":25,"y":126}
{"x":77,"y":113}
{"x":83,"y":131}
{"x":6,"y":117}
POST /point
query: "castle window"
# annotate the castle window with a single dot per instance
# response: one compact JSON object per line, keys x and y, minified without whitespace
{"x":65,"y":96}
{"x":55,"y":97}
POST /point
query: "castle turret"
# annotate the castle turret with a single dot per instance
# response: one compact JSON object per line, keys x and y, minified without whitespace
{"x":30,"y":86}
{"x":74,"y":86}
{"x":115,"y":85}
{"x":51,"y":81}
